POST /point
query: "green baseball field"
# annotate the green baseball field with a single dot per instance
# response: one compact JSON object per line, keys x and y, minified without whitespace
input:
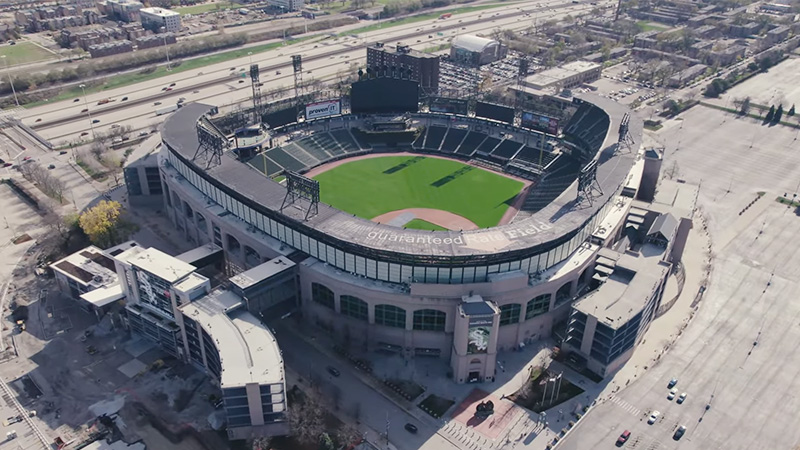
{"x":371,"y":187}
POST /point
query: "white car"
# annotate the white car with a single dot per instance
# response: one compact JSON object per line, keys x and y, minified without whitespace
{"x":653,"y":417}
{"x":672,"y":393}
{"x":681,"y":398}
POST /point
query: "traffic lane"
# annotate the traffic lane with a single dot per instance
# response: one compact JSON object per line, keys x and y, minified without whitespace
{"x":311,"y":364}
{"x":229,"y":91}
{"x":216,"y":70}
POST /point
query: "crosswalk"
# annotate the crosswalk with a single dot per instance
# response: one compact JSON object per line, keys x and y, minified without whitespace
{"x":626,"y":406}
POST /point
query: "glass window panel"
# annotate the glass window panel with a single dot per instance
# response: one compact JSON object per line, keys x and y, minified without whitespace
{"x":469,"y":275}
{"x":394,"y":273}
{"x":419,"y":274}
{"x":494,"y":268}
{"x":361,"y":265}
{"x":406,"y":273}
{"x":504,"y":267}
{"x":444,"y":275}
{"x":349,"y":262}
{"x":372,"y":270}
{"x":383,"y":271}
{"x":313,"y":247}
{"x":456,"y":275}
{"x":431,"y":274}
{"x":480,"y":274}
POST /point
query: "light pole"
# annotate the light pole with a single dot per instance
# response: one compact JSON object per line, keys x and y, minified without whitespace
{"x":250,"y":55}
{"x":164,"y":36}
{"x":86,"y":105}
{"x":10,"y":81}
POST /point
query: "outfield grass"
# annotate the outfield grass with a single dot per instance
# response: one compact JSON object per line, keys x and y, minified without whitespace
{"x":24,"y":52}
{"x":375,"y":186}
{"x":203,"y":8}
{"x":419,"y":224}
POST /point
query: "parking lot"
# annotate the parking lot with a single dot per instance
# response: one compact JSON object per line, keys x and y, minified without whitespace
{"x":736,"y":355}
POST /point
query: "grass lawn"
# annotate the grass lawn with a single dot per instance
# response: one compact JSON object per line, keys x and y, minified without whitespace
{"x":24,"y":52}
{"x":420,"y":18}
{"x":650,"y":26}
{"x":419,"y":224}
{"x":371,"y":187}
{"x":203,"y":8}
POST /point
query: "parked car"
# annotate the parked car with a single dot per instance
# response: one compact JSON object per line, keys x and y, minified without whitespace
{"x":84,"y":133}
{"x":39,"y":119}
{"x":96,"y":121}
{"x":679,"y":433}
{"x":410,"y":427}
{"x":653,"y":417}
{"x":333,"y":371}
{"x":672,"y":383}
{"x":672,"y":393}
{"x":623,"y":438}
{"x":172,"y":85}
{"x":681,"y":398}
{"x":63,"y":152}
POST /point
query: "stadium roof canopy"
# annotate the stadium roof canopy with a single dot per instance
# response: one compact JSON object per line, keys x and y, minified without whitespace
{"x":472,"y":43}
{"x":554,"y":223}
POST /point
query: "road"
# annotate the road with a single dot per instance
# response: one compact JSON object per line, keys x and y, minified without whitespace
{"x":372,"y":406}
{"x":221,"y":88}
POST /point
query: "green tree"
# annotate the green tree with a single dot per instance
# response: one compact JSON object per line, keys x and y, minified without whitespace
{"x":791,"y":111}
{"x":770,"y":114}
{"x":325,"y":442}
{"x":101,"y":223}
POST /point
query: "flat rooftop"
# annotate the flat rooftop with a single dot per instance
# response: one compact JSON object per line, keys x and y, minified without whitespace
{"x":261,"y":272}
{"x":557,"y":74}
{"x":162,"y":265}
{"x":248,"y":351}
{"x":341,"y":229}
{"x":89,"y":267}
{"x":628,"y":288}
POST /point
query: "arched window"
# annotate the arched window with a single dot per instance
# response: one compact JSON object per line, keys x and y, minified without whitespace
{"x":537,"y":306}
{"x":510,"y":313}
{"x":390,"y":316}
{"x":563,"y":293}
{"x":234,"y":247}
{"x":201,"y":222}
{"x":322,"y":295}
{"x":429,"y":320}
{"x":354,"y":307}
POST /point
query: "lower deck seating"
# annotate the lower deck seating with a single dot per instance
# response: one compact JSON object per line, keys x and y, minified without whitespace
{"x":345,"y":140}
{"x":288,"y":162}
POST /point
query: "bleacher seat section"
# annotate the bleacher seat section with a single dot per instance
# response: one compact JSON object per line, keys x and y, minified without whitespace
{"x":453,"y":138}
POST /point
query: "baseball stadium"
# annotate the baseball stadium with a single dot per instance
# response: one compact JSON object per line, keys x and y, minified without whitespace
{"x":426,"y":233}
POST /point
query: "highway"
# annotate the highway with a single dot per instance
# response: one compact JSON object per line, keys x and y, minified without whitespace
{"x":65,"y":121}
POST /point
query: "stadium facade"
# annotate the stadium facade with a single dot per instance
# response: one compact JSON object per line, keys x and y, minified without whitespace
{"x":458,"y":295}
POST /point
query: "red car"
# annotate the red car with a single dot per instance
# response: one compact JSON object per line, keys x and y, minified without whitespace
{"x":623,"y":438}
{"x":26,"y":158}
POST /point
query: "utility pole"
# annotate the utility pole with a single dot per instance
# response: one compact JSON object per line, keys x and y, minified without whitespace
{"x":167,"y":50}
{"x":88,"y":113}
{"x":387,"y":430}
{"x":10,"y":81}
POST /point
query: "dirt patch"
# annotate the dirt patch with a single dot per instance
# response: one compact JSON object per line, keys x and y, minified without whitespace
{"x":509,"y":215}
{"x":439,"y":217}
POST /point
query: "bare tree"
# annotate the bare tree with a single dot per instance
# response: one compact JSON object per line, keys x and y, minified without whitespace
{"x":348,"y":434}
{"x":307,"y":419}
{"x":260,"y":443}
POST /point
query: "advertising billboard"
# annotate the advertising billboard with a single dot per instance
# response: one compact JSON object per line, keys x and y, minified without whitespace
{"x":384,"y":95}
{"x":480,"y":330}
{"x":323,"y":109}
{"x":496,"y":112}
{"x":539,"y":122}
{"x":449,"y":105}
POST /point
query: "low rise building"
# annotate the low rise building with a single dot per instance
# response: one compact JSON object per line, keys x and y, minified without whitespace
{"x":564,"y":77}
{"x":124,"y":10}
{"x":159,"y":19}
{"x":89,"y":277}
{"x":780,"y":8}
{"x":687,"y":75}
{"x":778,"y":34}
{"x":221,"y":337}
{"x":287,"y":5}
{"x":155,"y":40}
{"x":110,"y":48}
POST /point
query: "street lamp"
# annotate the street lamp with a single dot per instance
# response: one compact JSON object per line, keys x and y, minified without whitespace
{"x":250,"y":55}
{"x":5,"y":63}
{"x":86,"y":104}
{"x":164,"y":36}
